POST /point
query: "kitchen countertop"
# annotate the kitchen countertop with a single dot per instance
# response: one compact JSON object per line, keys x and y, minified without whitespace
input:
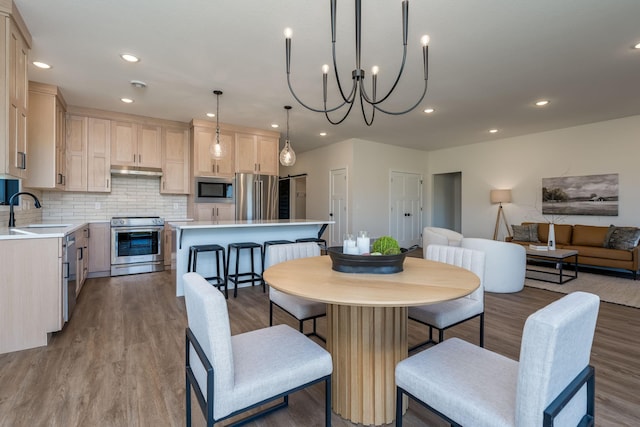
{"x":39,"y":231}
{"x":185,"y":225}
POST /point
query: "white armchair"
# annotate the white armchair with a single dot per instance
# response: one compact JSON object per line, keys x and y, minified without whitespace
{"x":233,"y":374}
{"x":552,"y":384}
{"x":505,"y":264}
{"x":440,"y":236}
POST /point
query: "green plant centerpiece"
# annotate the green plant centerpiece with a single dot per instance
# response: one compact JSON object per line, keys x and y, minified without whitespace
{"x":386,"y":257}
{"x":385,"y":245}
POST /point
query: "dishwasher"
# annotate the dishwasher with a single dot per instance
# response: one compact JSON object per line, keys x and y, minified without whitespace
{"x":69,"y":275}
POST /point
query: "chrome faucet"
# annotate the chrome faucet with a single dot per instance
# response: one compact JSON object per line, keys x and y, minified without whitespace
{"x":12,"y":217}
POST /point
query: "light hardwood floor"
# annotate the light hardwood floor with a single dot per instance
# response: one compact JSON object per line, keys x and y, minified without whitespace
{"x":119,"y":362}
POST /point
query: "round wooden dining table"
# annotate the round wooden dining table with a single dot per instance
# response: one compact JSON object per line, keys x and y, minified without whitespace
{"x":367,"y":323}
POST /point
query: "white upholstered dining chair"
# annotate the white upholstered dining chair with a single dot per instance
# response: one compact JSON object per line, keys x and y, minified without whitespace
{"x":552,"y":384}
{"x":444,"y":315}
{"x":300,"y":308}
{"x":233,"y":374}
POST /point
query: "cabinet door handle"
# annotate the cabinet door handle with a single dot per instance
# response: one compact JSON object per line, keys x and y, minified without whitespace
{"x":139,"y":158}
{"x":107,"y":183}
{"x":23,"y":157}
{"x":59,"y":178}
{"x":134,"y":158}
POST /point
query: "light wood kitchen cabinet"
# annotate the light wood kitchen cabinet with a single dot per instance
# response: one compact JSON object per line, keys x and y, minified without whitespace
{"x":175,"y":161}
{"x":82,"y":254}
{"x":88,"y":148}
{"x":136,"y":145}
{"x":15,"y":42}
{"x":99,"y":249}
{"x":214,"y":211}
{"x":46,"y":137}
{"x":256,"y":154}
{"x":30,"y":298}
{"x":204,"y":135}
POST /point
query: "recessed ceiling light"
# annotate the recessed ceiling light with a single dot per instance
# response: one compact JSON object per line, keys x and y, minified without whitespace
{"x":129,"y":58}
{"x":637,"y":46}
{"x":323,"y":134}
{"x":126,"y":100}
{"x":429,"y":110}
{"x":542,"y":102}
{"x":42,"y":65}
{"x":275,"y":125}
{"x":493,"y":130}
{"x":211,"y":115}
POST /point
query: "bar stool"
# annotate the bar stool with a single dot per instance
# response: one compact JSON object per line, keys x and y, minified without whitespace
{"x":321,"y":242}
{"x":251,"y":276}
{"x":217,"y":250}
{"x":268,"y":243}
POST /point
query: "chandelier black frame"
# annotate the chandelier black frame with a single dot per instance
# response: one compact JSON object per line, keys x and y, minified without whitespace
{"x":358,"y":90}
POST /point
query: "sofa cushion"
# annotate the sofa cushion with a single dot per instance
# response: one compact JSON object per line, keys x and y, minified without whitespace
{"x":563,"y":232}
{"x":603,"y":253}
{"x":525,"y":233}
{"x":624,"y":238}
{"x":589,"y":235}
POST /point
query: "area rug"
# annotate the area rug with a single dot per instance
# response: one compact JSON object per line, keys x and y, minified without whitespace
{"x":618,"y":290}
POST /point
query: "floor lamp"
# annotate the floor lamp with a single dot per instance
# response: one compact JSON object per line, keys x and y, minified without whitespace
{"x":500,"y":197}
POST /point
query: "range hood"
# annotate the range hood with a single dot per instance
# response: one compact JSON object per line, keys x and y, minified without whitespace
{"x":126,"y":170}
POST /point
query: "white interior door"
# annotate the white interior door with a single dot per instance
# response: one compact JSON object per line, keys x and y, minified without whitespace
{"x":405,"y":200}
{"x":338,"y":211}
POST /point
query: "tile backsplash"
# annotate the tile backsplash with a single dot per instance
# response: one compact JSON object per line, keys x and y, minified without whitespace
{"x":129,"y":196}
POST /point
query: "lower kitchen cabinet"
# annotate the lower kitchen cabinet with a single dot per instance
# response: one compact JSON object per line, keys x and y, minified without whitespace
{"x":82,"y":261}
{"x":99,"y":263}
{"x":31,"y":292}
{"x":214,"y":211}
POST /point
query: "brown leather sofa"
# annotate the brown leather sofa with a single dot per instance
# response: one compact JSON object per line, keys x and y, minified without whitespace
{"x":588,"y":240}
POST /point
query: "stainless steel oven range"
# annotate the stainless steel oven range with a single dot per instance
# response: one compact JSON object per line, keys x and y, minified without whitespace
{"x":136,"y":245}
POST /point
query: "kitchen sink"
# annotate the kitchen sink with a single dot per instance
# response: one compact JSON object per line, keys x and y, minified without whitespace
{"x":47,"y":226}
{"x":16,"y":231}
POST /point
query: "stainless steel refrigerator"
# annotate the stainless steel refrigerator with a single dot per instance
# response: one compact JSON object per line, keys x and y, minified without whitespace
{"x":256,"y":196}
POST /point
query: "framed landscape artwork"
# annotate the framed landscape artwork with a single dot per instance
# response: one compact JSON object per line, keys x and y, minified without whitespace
{"x":580,"y":195}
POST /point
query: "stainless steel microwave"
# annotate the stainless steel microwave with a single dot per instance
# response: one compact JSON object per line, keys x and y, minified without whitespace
{"x":213,"y":190}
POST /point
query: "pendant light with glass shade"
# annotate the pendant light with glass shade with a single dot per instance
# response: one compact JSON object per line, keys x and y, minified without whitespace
{"x":287,"y":155}
{"x":216,"y":149}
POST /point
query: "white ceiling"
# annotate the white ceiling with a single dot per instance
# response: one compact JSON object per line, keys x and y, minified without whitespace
{"x":489,"y":61}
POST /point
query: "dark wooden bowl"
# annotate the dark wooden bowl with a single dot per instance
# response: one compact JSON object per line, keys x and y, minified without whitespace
{"x":371,"y":264}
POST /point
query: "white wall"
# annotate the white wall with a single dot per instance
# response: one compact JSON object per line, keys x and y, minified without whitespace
{"x":368,"y":166}
{"x":520,"y":163}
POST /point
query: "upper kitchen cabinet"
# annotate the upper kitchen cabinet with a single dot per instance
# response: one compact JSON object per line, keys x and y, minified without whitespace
{"x":88,"y":146}
{"x":46,"y":137}
{"x":15,"y":42}
{"x":204,"y":135}
{"x":136,"y":145}
{"x":175,"y":161}
{"x":257,"y":153}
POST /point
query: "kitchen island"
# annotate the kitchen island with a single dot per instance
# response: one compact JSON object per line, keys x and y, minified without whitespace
{"x":225,"y":232}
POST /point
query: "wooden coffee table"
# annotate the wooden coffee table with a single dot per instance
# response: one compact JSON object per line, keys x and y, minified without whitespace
{"x":559,"y":257}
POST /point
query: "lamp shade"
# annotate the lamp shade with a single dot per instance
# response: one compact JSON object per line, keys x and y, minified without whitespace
{"x":500,"y":196}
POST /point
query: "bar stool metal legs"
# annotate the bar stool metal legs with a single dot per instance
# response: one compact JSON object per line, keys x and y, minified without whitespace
{"x":244,"y":277}
{"x":221,"y":274}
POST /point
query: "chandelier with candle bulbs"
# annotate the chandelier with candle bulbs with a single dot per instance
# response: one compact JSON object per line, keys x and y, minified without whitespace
{"x":357,"y":90}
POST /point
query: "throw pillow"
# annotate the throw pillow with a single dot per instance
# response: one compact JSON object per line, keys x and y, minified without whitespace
{"x":624,"y":238}
{"x":525,"y":233}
